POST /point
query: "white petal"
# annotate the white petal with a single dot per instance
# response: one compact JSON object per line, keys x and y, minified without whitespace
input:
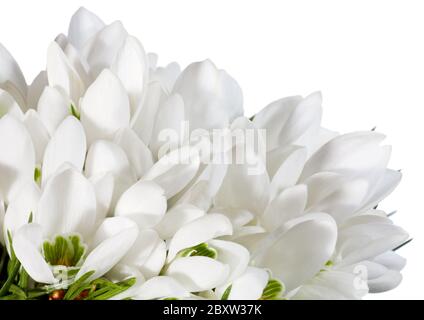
{"x":105,"y":157}
{"x":333,"y":285}
{"x":104,"y":187}
{"x":38,"y":132}
{"x":109,"y":228}
{"x":201,"y":230}
{"x":358,"y":151}
{"x":368,"y":240}
{"x":203,"y":190}
{"x":154,"y":264}
{"x":244,"y":190}
{"x":388,"y":281}
{"x":249,"y":286}
{"x":168,"y":125}
{"x":345,"y":200}
{"x":212,"y":98}
{"x":391,"y":260}
{"x":306,"y":115}
{"x":121,"y":272}
{"x":198,"y":273}
{"x":273,"y":118}
{"x":148,"y":253}
{"x":105,"y":107}
{"x":20,"y":208}
{"x":177,"y":217}
{"x":321,"y":185}
{"x":11,"y":77}
{"x":53,"y":108}
{"x":232,"y":254}
{"x":67,"y":145}
{"x":8,"y":105}
{"x":17,"y":157}
{"x":75,"y":59}
{"x":131,"y":67}
{"x":67,"y":205}
{"x":289,"y":170}
{"x":289,"y":204}
{"x":138,"y":153}
{"x":167,"y":76}
{"x":108,"y":252}
{"x":62,"y":75}
{"x":175,"y":170}
{"x":27,"y":246}
{"x":296,"y":255}
{"x":238,"y":217}
{"x":144,"y":202}
{"x":144,"y":119}
{"x":161,"y":287}
{"x":100,"y":50}
{"x":84,"y":24}
{"x":384,"y":187}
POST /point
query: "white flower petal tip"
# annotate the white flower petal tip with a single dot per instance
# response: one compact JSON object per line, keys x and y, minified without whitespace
{"x":62,"y":75}
{"x":211,"y":97}
{"x":11,"y":77}
{"x":67,"y":145}
{"x":144,"y":202}
{"x":84,"y":24}
{"x":296,"y":255}
{"x":67,"y":204}
{"x":131,"y":68}
{"x":105,"y":107}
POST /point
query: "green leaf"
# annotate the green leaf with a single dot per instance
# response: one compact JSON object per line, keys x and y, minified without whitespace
{"x":106,"y":289}
{"x":13,"y":267}
{"x":226,"y":293}
{"x":273,"y":290}
{"x":16,"y":290}
{"x":23,"y":279}
{"x":36,"y":293}
{"x":78,"y":286}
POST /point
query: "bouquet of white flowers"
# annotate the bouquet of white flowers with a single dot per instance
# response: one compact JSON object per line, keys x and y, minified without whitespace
{"x":121,"y":179}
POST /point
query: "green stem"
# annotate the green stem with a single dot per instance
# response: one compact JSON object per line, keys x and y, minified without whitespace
{"x":10,"y":279}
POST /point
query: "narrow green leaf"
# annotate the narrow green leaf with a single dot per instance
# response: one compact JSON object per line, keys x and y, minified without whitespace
{"x":226,"y":293}
{"x":16,"y":290}
{"x":23,"y":279}
{"x":78,"y":286}
{"x":13,"y":267}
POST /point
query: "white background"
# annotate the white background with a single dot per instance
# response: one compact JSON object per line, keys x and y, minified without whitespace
{"x":367,"y":57}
